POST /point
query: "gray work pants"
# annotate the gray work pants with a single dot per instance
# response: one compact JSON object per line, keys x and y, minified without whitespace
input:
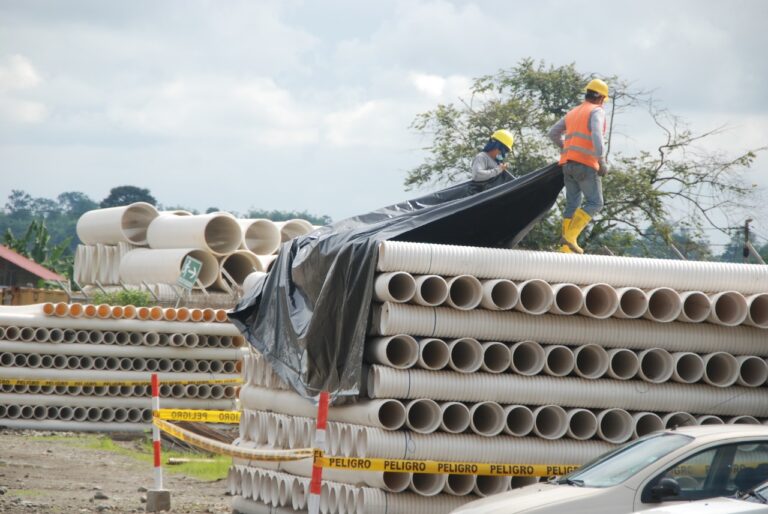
{"x":582,"y":181}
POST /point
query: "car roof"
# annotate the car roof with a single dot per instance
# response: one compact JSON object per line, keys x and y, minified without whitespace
{"x":715,"y":432}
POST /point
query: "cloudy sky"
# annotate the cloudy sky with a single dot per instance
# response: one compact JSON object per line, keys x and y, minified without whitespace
{"x":306,"y":105}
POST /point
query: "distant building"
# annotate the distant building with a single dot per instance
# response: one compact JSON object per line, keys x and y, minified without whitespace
{"x":19,"y":271}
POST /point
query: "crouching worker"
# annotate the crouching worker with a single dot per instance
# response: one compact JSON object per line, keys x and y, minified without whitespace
{"x":489,"y":163}
{"x":579,"y":135}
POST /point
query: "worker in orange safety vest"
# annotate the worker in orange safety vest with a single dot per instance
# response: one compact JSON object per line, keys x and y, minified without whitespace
{"x":579,"y":136}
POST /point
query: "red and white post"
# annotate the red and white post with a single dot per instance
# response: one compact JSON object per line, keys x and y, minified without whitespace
{"x":156,"y":433}
{"x":315,"y":485}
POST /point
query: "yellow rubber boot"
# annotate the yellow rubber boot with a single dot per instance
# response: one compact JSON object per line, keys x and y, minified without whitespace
{"x":565,"y":248}
{"x":578,"y":223}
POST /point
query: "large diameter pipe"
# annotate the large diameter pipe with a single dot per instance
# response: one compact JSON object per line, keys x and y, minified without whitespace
{"x":550,"y":422}
{"x":582,"y":424}
{"x":678,"y":419}
{"x":465,"y":292}
{"x":400,"y":351}
{"x":455,"y":417}
{"x":423,"y":415}
{"x":261,"y":236}
{"x":559,"y":360}
{"x":397,"y":286}
{"x":487,"y":418}
{"x":708,"y":419}
{"x":753,"y":371}
{"x":126,"y":224}
{"x":519,"y":420}
{"x":499,"y":295}
{"x":633,"y":302}
{"x":164,"y":266}
{"x":536,"y":297}
{"x":664,"y":305}
{"x":584,"y":269}
{"x":391,"y":319}
{"x":237,"y":265}
{"x":757,"y":315}
{"x":459,"y":485}
{"x":293,"y":228}
{"x":569,"y":392}
{"x":568,"y":299}
{"x":646,"y":423}
{"x":600,"y":301}
{"x":591,"y":361}
{"x":217,"y":233}
{"x":527,"y":358}
{"x":434,"y":353}
{"x":721,"y":369}
{"x":656,"y":365}
{"x":615,"y":425}
{"x":729,"y":308}
{"x":489,"y":485}
{"x":687,"y":367}
{"x":431,"y":290}
{"x":496,"y":357}
{"x":696,"y":307}
{"x":465,"y":354}
{"x":623,"y":364}
{"x":427,"y":484}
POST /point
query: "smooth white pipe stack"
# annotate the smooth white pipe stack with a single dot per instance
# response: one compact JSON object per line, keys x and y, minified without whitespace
{"x":164,"y":266}
{"x":431,"y":290}
{"x":261,"y":236}
{"x":397,"y":287}
{"x":218,"y":233}
{"x":126,"y":224}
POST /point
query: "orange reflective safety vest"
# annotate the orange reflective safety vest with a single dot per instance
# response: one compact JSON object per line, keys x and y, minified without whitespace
{"x":577,"y":144}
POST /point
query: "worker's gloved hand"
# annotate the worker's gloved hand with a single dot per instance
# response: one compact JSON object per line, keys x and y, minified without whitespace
{"x":503,"y":166}
{"x":603,"y":168}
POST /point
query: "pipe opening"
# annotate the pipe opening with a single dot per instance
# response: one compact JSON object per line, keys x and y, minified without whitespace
{"x":490,"y":485}
{"x":656,"y":365}
{"x":758,"y":310}
{"x":396,"y":482}
{"x":459,"y":485}
{"x":753,"y":371}
{"x":729,"y":308}
{"x":222,"y":234}
{"x":496,"y":357}
{"x":398,"y":286}
{"x":550,"y":422}
{"x":433,"y":354}
{"x":647,"y":423}
{"x":720,"y":369}
{"x":591,"y":361}
{"x":536,"y":296}
{"x":455,"y":417}
{"x":632,"y":302}
{"x":135,"y":220}
{"x":391,"y":414}
{"x":427,"y":484}
{"x":499,"y":294}
{"x":743,"y":420}
{"x":464,"y":292}
{"x":568,"y":299}
{"x":261,"y":236}
{"x":582,"y":424}
{"x":527,"y":358}
{"x":696,"y":307}
{"x":559,"y":360}
{"x":519,"y":420}
{"x":600,"y":301}
{"x":623,"y":363}
{"x":615,"y":425}
{"x":402,"y":351}
{"x":709,"y":420}
{"x":689,"y":367}
{"x":466,"y":355}
{"x":487,"y":418}
{"x":678,"y":419}
{"x":664,"y":305}
{"x":423,"y":415}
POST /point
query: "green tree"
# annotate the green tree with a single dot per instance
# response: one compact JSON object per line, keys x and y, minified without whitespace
{"x":124,"y":195}
{"x":277,"y":215}
{"x":640,"y":192}
{"x":36,"y":244}
{"x":75,"y":203}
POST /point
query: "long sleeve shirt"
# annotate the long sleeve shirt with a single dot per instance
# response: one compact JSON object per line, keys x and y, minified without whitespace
{"x":484,"y":167}
{"x":596,"y":125}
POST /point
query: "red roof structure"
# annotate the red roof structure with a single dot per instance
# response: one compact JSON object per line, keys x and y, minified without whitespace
{"x":28,"y":265}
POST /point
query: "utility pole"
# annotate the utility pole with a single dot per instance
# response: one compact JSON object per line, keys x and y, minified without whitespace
{"x":745,"y":250}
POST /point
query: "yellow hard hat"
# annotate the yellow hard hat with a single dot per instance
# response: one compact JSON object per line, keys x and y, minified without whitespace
{"x":598,"y":86}
{"x":504,"y":137}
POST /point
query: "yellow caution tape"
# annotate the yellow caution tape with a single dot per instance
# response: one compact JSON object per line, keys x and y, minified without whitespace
{"x":199,"y":416}
{"x":107,"y":383}
{"x":229,"y":449}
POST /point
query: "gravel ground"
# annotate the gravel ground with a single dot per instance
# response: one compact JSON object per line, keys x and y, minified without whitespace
{"x":39,"y":474}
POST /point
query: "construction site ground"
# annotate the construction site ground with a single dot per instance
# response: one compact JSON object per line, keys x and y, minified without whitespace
{"x":72,"y":473}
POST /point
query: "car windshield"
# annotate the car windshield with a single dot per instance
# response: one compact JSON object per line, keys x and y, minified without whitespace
{"x":617,"y":466}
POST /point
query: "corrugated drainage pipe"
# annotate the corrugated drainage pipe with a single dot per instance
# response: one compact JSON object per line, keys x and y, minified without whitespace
{"x":400,"y":351}
{"x":591,"y":361}
{"x":729,"y":308}
{"x":427,"y":484}
{"x":423,"y":415}
{"x":708,"y":419}
{"x":615,"y":425}
{"x":218,"y":233}
{"x":126,"y":224}
{"x":696,"y":307}
{"x":600,"y":301}
{"x":568,"y":299}
{"x":499,"y":295}
{"x":664,"y":305}
{"x":687,"y":367}
{"x":743,"y":420}
{"x":490,"y":485}
{"x":527,"y":358}
{"x":431,"y":290}
{"x":582,"y":424}
{"x":536,"y":296}
{"x":164,"y":266}
{"x":261,"y":236}
{"x":238,"y":265}
{"x":646,"y":423}
{"x":397,"y":286}
{"x":433,"y":353}
{"x":656,"y":365}
{"x":720,"y":369}
{"x":633,"y":302}
{"x":487,"y":419}
{"x":678,"y":419}
{"x":465,"y":292}
{"x":623,"y":364}
{"x":558,"y":360}
{"x":550,"y":422}
{"x":455,"y":417}
{"x":496,"y":357}
{"x":465,"y":355}
{"x":519,"y":420}
{"x":459,"y":485}
{"x":758,"y":310}
{"x":753,"y":371}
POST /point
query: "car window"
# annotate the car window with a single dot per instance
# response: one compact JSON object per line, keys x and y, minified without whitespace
{"x":750,"y":467}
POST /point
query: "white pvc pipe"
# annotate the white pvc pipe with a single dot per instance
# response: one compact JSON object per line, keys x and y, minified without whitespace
{"x":459,"y":485}
{"x":164,"y":266}
{"x":615,"y":425}
{"x":678,"y":419}
{"x":696,"y":307}
{"x":431,"y":290}
{"x":390,"y":319}
{"x":454,"y":418}
{"x":496,"y":357}
{"x":426,"y":484}
{"x":423,"y":415}
{"x":400,"y":351}
{"x":600,"y":301}
{"x":720,"y":369}
{"x":753,"y":371}
{"x":261,"y":236}
{"x":217,"y":233}
{"x":490,"y":485}
{"x":519,"y":420}
{"x":656,"y":365}
{"x":121,"y":351}
{"x":550,"y":422}
{"x":238,"y":265}
{"x":487,"y":419}
{"x":558,"y":360}
{"x":646,"y":423}
{"x":465,"y":292}
{"x":623,"y":364}
{"x":687,"y":367}
{"x":293,"y":228}
{"x":708,"y":419}
{"x":397,"y":286}
{"x":433,"y":353}
{"x":73,"y":426}
{"x":591,"y":361}
{"x":743,"y":420}
{"x":126,"y":224}
{"x":499,"y":295}
{"x":554,"y":267}
{"x":664,"y":305}
{"x":568,"y":299}
{"x":729,"y":308}
{"x":536,"y":297}
{"x":527,"y":358}
{"x":571,"y":392}
{"x":633,"y":303}
{"x":757,"y":315}
{"x":582,"y":424}
{"x":465,"y":354}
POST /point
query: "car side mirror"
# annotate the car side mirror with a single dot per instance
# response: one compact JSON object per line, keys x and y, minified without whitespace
{"x":665,"y":488}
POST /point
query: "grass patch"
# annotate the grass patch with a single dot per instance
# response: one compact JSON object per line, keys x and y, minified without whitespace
{"x":26,"y":493}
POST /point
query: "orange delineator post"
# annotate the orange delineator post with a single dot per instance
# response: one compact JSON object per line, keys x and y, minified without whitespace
{"x":315,"y":485}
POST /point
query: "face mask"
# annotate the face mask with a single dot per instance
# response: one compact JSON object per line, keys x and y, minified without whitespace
{"x":499,"y":157}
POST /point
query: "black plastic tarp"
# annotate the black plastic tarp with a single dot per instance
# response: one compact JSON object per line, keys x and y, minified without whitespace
{"x":310,"y":315}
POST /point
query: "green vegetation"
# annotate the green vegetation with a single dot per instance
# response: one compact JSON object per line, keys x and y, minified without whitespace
{"x":131,"y":297}
{"x":36,"y":244}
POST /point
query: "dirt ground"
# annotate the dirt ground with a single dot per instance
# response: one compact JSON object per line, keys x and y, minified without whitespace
{"x":52,"y":472}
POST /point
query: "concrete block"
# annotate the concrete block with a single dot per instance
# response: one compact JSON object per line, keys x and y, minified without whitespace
{"x":158,"y":500}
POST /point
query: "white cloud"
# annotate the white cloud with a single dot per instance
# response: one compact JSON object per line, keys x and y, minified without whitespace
{"x":16,"y":76}
{"x":18,"y":73}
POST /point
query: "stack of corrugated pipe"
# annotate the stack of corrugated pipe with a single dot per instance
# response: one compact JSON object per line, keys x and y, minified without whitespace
{"x":73,"y":344}
{"x":135,"y":244}
{"x":511,"y":356}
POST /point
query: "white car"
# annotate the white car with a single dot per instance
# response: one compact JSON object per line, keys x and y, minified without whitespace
{"x":754,"y":501}
{"x":661,"y":469}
